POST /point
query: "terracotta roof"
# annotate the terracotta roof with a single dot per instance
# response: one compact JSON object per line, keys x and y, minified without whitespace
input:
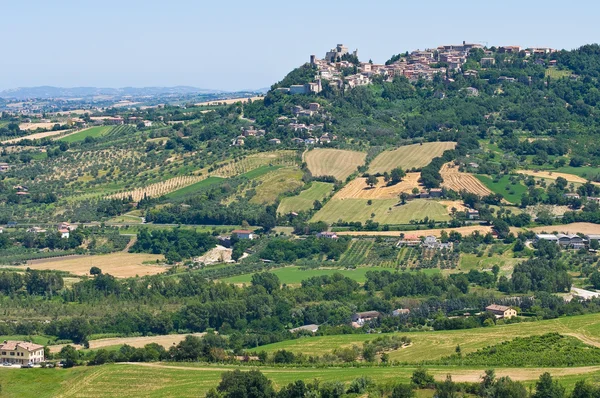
{"x":12,"y":345}
{"x":496,"y":307}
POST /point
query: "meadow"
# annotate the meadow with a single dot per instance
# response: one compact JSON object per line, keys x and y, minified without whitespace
{"x":511,"y":192}
{"x":194,"y":380}
{"x":304,"y":200}
{"x":435,"y":345}
{"x":295,"y":275}
{"x":274,"y":183}
{"x":93,"y":132}
{"x":333,"y":162}
{"x":386,"y":211}
{"x":409,"y":156}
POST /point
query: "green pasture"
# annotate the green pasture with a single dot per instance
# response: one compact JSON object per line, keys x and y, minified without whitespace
{"x":504,"y":187}
{"x":304,"y":200}
{"x":93,"y":132}
{"x":383,"y":211}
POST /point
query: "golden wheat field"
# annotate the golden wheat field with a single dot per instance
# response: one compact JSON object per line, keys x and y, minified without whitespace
{"x":358,"y":188}
{"x":333,"y":162}
{"x":409,"y":156}
{"x":240,"y":166}
{"x":459,"y":181}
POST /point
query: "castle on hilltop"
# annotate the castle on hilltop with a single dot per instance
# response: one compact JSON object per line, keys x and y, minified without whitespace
{"x":336,"y":54}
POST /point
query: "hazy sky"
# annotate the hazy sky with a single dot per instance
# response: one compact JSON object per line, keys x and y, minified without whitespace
{"x":235,"y":44}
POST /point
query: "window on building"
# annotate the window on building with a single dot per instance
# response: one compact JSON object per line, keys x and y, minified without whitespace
{"x":3,"y":352}
{"x":12,"y":353}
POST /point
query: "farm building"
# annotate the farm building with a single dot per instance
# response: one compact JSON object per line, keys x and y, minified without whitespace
{"x":501,"y":311}
{"x":4,"y":167}
{"x":21,"y":352}
{"x":472,"y":214}
{"x":432,"y":242}
{"x":409,"y":240}
{"x":243,"y":234}
{"x":327,"y":235}
{"x":360,"y":318}
{"x":400,"y":311}
{"x":64,"y":233}
{"x":310,"y":328}
{"x":591,"y":237}
{"x":548,"y":237}
{"x":570,"y":240}
{"x":435,"y":193}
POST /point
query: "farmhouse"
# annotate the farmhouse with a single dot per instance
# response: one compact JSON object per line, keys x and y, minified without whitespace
{"x":327,"y":235}
{"x":431,"y":242}
{"x":409,"y":240}
{"x":435,"y":193}
{"x":243,"y":234}
{"x":400,"y":311}
{"x":21,"y":352}
{"x":472,"y":214}
{"x":4,"y":167}
{"x":360,"y":318}
{"x":501,"y":311}
{"x":64,"y":233}
{"x":310,"y":328}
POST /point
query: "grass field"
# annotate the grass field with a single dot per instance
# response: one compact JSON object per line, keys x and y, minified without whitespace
{"x":194,"y":380}
{"x":93,"y":132}
{"x":555,"y":73}
{"x":334,"y":162}
{"x":120,"y":265}
{"x":504,"y":187}
{"x":409,"y":156}
{"x":434,"y":345}
{"x":259,"y":171}
{"x":387,"y":211}
{"x":304,"y":201}
{"x":194,"y":187}
{"x":295,"y":275}
{"x":275,"y":183}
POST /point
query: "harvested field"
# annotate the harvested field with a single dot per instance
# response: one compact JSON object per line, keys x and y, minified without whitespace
{"x":166,"y":341}
{"x":35,"y":126}
{"x":424,"y":232}
{"x":383,"y":211}
{"x":457,"y":204}
{"x":553,"y":175}
{"x":228,"y":101}
{"x":577,"y":227}
{"x":459,"y":181}
{"x":358,"y":188}
{"x":409,"y":156}
{"x":120,"y":265}
{"x":333,"y":162}
{"x":36,"y":136}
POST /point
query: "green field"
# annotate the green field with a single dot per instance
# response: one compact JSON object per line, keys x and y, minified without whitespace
{"x":387,"y":211}
{"x":259,"y":171}
{"x":304,"y":201}
{"x":504,"y":187}
{"x":555,"y":73}
{"x":194,"y":187}
{"x":93,"y":132}
{"x":37,"y":339}
{"x":435,"y":345}
{"x":295,"y":275}
{"x":194,"y":380}
{"x":275,"y":183}
{"x":585,"y":171}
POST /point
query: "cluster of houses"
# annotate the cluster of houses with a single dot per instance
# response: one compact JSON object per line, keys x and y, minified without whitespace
{"x":64,"y":229}
{"x":568,"y":241}
{"x":430,"y":242}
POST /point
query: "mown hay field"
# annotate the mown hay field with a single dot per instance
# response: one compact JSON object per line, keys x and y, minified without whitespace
{"x":384,"y":211}
{"x":35,"y":136}
{"x":120,"y":265}
{"x":553,"y":175}
{"x":194,"y":380}
{"x":358,"y":188}
{"x":305,"y":200}
{"x":333,"y":162}
{"x":409,"y":156}
{"x":458,"y":181}
{"x":573,"y":228}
